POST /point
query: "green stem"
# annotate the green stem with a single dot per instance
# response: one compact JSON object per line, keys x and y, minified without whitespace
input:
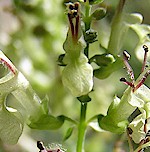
{"x":87,"y":23}
{"x":117,"y":30}
{"x":82,"y":128}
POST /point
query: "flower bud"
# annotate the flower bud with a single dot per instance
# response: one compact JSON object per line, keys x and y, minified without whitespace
{"x":99,"y":13}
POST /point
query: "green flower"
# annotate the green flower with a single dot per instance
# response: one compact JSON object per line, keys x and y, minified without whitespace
{"x":137,"y":95}
{"x":77,"y":76}
{"x":31,"y":109}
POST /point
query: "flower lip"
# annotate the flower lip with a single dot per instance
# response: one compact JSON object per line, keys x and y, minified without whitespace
{"x":6,"y":63}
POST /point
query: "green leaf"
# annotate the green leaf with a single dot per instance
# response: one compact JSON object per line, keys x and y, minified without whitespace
{"x":47,"y":122}
{"x":68,"y":133}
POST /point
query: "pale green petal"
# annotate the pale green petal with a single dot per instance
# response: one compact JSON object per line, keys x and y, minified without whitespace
{"x":137,"y":126}
{"x":10,"y":127}
{"x":78,"y":78}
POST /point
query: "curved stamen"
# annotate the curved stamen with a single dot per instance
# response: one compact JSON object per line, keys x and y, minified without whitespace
{"x":127,"y":82}
{"x":74,"y":19}
{"x":145,"y":57}
{"x":126,"y":58}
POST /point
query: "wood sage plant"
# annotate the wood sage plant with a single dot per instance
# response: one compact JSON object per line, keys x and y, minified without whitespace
{"x":77,"y":76}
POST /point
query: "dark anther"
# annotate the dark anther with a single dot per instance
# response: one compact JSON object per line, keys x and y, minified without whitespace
{"x":126,"y":55}
{"x":40,"y":145}
{"x":127,"y":82}
{"x":145,"y":57}
{"x":71,"y":6}
{"x":123,"y":80}
{"x":76,"y":6}
{"x":75,"y":13}
{"x":148,"y":133}
{"x":130,"y":131}
{"x":145,"y":48}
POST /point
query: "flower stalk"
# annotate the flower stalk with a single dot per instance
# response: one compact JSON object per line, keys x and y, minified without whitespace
{"x":82,"y":128}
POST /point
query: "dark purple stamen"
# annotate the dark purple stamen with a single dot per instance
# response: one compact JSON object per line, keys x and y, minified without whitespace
{"x":71,"y":6}
{"x":40,"y":145}
{"x":126,"y":58}
{"x":73,"y":14}
{"x":71,"y":24}
{"x":145,"y":57}
{"x":77,"y":28}
{"x":127,"y":82}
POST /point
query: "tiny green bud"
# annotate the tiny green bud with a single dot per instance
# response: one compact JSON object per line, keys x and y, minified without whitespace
{"x":99,"y":13}
{"x":90,"y":36}
{"x":105,"y":71}
{"x":103,"y":60}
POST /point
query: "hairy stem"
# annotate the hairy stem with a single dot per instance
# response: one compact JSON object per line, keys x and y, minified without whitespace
{"x":82,"y":128}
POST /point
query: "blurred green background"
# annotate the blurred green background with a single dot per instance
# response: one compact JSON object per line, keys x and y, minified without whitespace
{"x":32,"y":33}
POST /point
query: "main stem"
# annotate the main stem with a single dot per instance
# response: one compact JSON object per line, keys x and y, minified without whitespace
{"x":82,"y":128}
{"x":82,"y":124}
